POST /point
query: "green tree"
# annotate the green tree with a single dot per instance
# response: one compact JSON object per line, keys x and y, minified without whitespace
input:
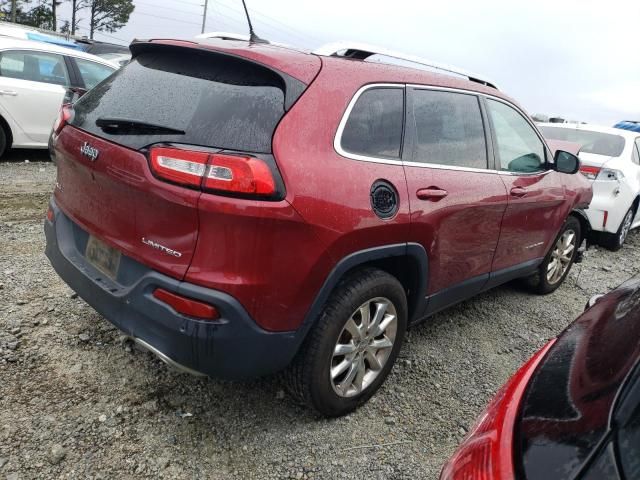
{"x":108,"y":15}
{"x":54,"y":19}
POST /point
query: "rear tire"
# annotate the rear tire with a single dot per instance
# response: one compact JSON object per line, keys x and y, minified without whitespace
{"x":556,"y":265}
{"x":351,"y":349}
{"x":3,"y":141}
{"x":615,"y":241}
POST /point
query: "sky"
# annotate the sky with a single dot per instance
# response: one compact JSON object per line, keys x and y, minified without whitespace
{"x":571,"y":58}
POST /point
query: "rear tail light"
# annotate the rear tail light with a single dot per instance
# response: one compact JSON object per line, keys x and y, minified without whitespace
{"x":187,"y":306}
{"x":239,"y":174}
{"x":487,"y":451}
{"x":185,"y":167}
{"x":590,"y":172}
{"x":610,"y":174}
{"x":64,"y":117}
{"x":219,"y":172}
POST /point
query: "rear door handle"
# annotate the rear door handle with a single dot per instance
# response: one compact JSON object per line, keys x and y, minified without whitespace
{"x":10,"y":93}
{"x":431,"y":193}
{"x":518,"y":192}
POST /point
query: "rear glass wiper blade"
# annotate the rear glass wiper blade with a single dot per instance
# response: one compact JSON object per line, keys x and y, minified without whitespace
{"x":125,"y":126}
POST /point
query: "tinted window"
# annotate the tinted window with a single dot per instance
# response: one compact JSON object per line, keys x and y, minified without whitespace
{"x":34,"y":66}
{"x":449,"y":129}
{"x":374,"y":127}
{"x":518,"y":146}
{"x":590,"y":142}
{"x":217,"y":100}
{"x":93,"y":73}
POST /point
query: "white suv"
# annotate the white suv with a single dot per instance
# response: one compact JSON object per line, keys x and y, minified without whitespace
{"x":34,"y":77}
{"x":610,"y":158}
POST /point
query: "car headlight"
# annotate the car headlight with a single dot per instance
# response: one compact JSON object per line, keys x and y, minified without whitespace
{"x":610,"y":174}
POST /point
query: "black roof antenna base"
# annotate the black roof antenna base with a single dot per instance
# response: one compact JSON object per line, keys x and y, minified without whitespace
{"x":253,"y":38}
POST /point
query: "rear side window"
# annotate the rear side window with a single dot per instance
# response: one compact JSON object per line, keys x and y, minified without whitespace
{"x":449,"y":129}
{"x":217,"y":100}
{"x":34,"y":66}
{"x":374,"y":127}
{"x":92,"y":73}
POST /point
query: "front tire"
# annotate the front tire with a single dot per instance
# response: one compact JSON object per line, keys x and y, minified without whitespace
{"x":353,"y":346}
{"x":557,"y":264}
{"x":615,"y":241}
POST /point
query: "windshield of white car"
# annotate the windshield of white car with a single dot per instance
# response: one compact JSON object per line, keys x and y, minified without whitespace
{"x":590,"y":142}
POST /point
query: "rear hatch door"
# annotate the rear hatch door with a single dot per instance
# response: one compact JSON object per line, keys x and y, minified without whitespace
{"x":201,"y":100}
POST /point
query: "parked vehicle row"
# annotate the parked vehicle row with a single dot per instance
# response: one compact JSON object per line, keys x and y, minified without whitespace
{"x":610,"y":159}
{"x":34,"y":77}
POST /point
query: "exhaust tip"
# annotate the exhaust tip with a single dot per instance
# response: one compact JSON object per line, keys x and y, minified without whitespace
{"x":166,"y":359}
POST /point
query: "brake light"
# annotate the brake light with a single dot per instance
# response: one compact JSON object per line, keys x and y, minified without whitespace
{"x":239,"y":174}
{"x":219,"y":172}
{"x":590,"y":172}
{"x":487,"y":451}
{"x":64,"y":117}
{"x":187,"y":306}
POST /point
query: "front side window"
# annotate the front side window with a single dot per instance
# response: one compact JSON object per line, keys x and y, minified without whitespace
{"x":92,"y":73}
{"x":374,"y":127}
{"x":519,"y":149}
{"x":449,"y":129}
{"x":34,"y":67}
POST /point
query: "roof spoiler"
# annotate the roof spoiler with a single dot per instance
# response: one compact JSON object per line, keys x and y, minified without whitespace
{"x":362,"y":51}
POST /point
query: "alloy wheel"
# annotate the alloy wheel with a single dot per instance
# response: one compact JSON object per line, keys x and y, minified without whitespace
{"x":363,"y":347}
{"x":561,"y":256}
{"x":626,"y":226}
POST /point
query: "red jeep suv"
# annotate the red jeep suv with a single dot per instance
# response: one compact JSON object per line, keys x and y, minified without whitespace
{"x":241,"y":209}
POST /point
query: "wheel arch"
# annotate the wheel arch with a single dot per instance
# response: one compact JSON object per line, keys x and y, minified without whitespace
{"x":407,"y":262}
{"x":585,"y":226}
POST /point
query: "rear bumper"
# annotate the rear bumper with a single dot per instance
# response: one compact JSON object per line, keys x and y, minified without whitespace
{"x":232,"y":347}
{"x":605,"y":199}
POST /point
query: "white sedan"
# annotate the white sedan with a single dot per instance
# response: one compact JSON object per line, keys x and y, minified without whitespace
{"x":610,"y":158}
{"x":34,"y":77}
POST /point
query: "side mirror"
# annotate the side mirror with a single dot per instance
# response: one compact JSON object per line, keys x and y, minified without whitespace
{"x":565,"y":162}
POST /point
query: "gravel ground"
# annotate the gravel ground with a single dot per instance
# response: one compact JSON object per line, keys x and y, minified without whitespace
{"x":76,"y":401}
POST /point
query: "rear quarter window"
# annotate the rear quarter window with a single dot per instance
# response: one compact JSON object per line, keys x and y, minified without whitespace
{"x":217,"y":100}
{"x":374,"y":125}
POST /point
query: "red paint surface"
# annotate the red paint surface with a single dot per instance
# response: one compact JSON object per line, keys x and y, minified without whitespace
{"x":273,"y":257}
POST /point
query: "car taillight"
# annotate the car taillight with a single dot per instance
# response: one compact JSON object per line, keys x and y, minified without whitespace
{"x":187,"y":306}
{"x":487,"y":451}
{"x":239,"y":174}
{"x":218,"y":172}
{"x":64,"y":117}
{"x":590,"y":172}
{"x":185,"y":167}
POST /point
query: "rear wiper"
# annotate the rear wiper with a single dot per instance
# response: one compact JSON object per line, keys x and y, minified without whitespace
{"x":124,"y":126}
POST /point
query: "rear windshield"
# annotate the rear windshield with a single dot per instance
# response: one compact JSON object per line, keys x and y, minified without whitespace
{"x":216,"y":100}
{"x":590,"y":142}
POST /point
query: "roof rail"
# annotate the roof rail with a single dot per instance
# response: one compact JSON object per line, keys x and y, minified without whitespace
{"x":362,"y":51}
{"x":224,"y":36}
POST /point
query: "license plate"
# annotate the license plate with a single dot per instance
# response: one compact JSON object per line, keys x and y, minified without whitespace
{"x":103,"y":257}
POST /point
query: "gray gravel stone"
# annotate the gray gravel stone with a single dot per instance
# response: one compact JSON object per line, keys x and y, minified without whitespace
{"x":448,"y":370}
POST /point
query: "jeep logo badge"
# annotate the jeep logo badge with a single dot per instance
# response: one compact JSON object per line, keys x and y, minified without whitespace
{"x":89,"y":151}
